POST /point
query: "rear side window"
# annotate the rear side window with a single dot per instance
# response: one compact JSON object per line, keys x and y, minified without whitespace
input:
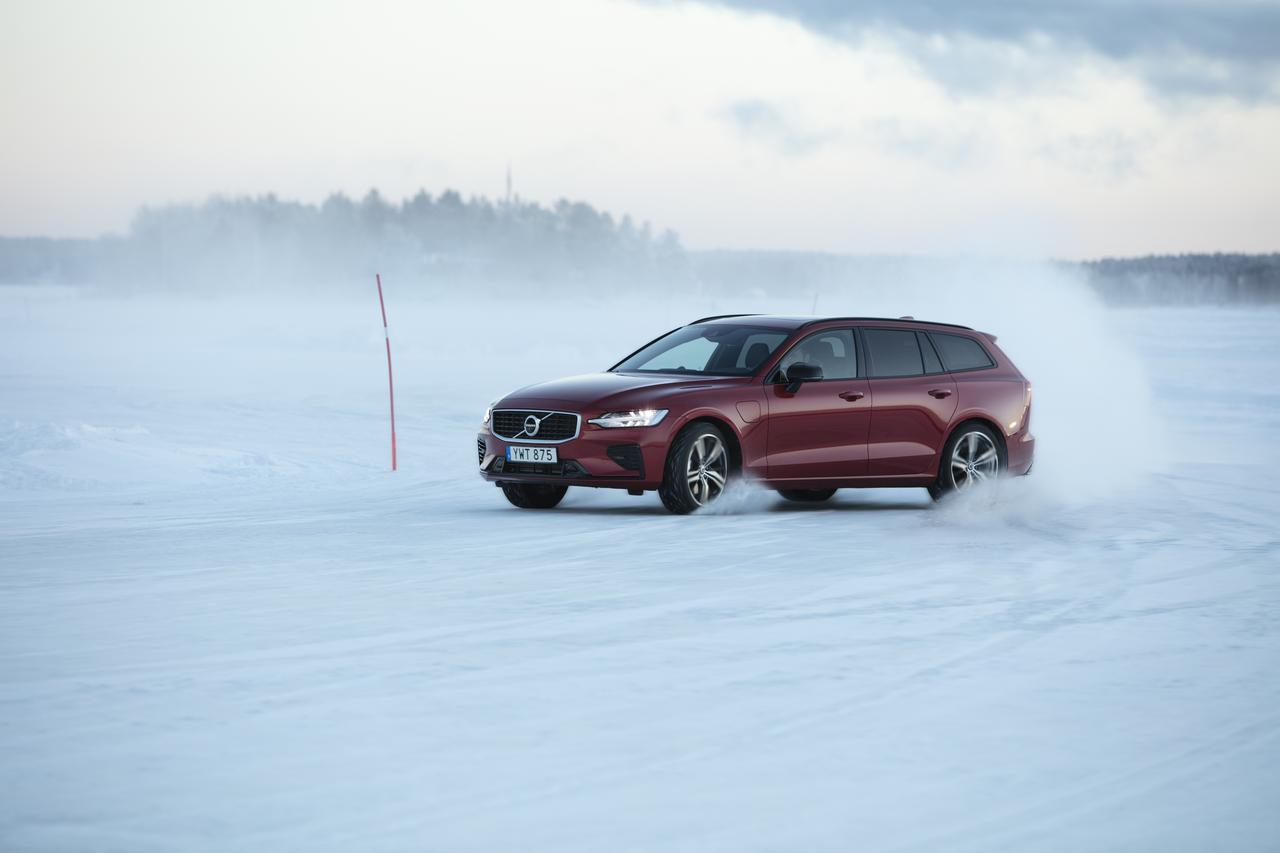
{"x":960,"y":353}
{"x":893,"y":352}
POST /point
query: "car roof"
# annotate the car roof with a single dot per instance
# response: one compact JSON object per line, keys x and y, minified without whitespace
{"x":793,"y":323}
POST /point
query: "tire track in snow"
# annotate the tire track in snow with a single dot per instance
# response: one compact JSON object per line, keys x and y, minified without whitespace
{"x":1009,"y":828}
{"x":903,"y":686}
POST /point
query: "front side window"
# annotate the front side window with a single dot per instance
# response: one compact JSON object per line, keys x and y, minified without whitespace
{"x":757,"y":348}
{"x":893,"y":352}
{"x":959,"y":352}
{"x":832,"y":350}
{"x":711,"y":349}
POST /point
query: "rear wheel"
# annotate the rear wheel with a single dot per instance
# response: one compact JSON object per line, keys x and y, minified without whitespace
{"x":697,"y":469}
{"x":807,"y":496}
{"x":534,"y":495}
{"x":972,"y":456}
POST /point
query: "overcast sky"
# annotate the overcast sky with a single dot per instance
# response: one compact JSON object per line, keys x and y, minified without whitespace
{"x":1050,"y":127}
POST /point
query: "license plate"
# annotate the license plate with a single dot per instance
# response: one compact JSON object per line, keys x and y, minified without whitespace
{"x":537,"y":455}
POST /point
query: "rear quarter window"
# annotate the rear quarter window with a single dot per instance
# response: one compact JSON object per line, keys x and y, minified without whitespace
{"x":931,"y":363}
{"x":960,"y":353}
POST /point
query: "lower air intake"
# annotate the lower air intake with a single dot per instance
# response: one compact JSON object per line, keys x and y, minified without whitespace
{"x":627,"y":456}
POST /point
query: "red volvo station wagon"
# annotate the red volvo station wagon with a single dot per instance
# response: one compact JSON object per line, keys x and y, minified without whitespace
{"x":805,"y":406}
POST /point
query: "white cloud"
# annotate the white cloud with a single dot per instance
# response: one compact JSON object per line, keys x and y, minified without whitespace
{"x":734,"y":129}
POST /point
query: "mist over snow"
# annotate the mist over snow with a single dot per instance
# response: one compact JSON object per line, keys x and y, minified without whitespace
{"x":443,"y":241}
{"x":267,"y":243}
{"x":1045,"y":316}
{"x":250,"y":272}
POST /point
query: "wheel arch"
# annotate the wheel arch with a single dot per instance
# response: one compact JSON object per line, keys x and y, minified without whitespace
{"x":724,"y":425}
{"x":968,"y":420}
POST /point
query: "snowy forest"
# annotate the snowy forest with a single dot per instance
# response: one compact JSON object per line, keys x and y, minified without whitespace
{"x":266,"y":242}
{"x":1187,"y":279}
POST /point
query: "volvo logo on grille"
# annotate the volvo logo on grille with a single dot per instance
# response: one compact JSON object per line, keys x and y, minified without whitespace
{"x":531,"y":425}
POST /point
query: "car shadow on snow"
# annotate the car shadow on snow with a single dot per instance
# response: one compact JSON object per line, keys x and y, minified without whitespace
{"x":837,"y":505}
{"x":749,"y":503}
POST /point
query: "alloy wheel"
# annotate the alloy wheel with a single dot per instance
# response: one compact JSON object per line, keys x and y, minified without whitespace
{"x":974,"y":459}
{"x":707,"y":470}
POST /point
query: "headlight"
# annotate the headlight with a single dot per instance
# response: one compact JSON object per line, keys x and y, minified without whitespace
{"x":488,"y":412}
{"x":633,"y":418}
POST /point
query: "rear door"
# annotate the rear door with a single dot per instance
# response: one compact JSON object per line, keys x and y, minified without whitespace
{"x":820,"y":431}
{"x":912,"y":398}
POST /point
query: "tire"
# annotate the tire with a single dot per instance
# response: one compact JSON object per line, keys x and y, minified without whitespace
{"x":697,"y":471}
{"x":972,"y":455}
{"x":807,"y":496}
{"x":534,"y":495}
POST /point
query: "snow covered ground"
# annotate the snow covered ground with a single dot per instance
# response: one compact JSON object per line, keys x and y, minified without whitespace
{"x":225,"y":626}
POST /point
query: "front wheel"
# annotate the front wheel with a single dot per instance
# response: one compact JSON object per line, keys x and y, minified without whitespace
{"x":534,"y":495}
{"x":807,"y":496}
{"x":697,"y":469}
{"x":972,"y":456}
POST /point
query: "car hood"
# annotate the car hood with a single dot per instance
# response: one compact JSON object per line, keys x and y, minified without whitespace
{"x":611,"y":390}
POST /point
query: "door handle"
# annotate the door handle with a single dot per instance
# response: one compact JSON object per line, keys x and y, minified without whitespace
{"x":852,"y":396}
{"x":940,"y":393}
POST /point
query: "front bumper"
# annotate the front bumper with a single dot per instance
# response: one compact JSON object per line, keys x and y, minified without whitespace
{"x":609,"y":458}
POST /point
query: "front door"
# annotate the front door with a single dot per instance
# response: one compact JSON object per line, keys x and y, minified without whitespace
{"x":819,"y":432}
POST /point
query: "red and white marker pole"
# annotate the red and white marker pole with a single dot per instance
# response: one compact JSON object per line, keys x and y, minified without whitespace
{"x":391,"y":386}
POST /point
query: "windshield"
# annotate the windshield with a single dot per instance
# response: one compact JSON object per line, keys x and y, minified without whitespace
{"x":707,"y":350}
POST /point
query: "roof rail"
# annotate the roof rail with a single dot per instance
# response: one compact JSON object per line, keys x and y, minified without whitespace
{"x":720,"y":317}
{"x":884,"y":320}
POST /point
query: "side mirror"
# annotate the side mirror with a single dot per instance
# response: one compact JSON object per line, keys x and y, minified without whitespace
{"x":798,"y":374}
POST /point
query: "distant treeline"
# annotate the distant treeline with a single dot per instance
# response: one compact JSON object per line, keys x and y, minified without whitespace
{"x":1186,"y":279}
{"x":446,"y":240}
{"x":1155,"y":280}
{"x":265,"y":242}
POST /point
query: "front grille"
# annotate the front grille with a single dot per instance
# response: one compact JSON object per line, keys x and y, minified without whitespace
{"x":481,"y":449}
{"x":514,"y":424}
